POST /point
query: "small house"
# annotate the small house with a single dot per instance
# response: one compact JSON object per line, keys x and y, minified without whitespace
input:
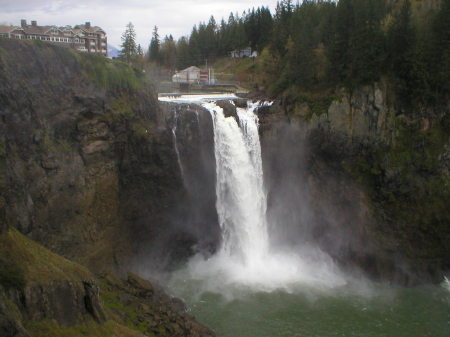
{"x":188,"y":75}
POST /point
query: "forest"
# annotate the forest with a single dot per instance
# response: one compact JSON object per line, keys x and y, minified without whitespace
{"x":320,"y":44}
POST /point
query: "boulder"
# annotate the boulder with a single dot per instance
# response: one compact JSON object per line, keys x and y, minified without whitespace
{"x":229,"y":110}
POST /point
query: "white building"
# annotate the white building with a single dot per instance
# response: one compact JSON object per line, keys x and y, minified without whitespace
{"x":188,"y":75}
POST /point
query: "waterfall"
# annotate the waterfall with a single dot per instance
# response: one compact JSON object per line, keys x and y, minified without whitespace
{"x":245,"y":256}
{"x":241,"y":199}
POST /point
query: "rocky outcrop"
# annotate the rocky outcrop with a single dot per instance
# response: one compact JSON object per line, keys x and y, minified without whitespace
{"x":229,"y":109}
{"x":363,"y":115}
{"x":162,"y":315}
{"x":66,"y":302}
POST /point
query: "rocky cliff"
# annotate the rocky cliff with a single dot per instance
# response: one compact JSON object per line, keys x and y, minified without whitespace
{"x":372,"y":180}
{"x":88,"y":169}
{"x":88,"y":164}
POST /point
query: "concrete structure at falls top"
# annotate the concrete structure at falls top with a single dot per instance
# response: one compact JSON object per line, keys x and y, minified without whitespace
{"x":245,"y":256}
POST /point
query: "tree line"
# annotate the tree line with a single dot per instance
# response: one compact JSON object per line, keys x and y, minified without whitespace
{"x":319,"y":43}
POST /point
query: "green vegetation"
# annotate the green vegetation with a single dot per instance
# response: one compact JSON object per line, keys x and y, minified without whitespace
{"x":111,"y":74}
{"x":356,"y":42}
{"x":48,"y":328}
{"x":143,"y":129}
{"x":212,"y":40}
{"x":122,"y":106}
{"x":128,"y":315}
{"x":30,"y":263}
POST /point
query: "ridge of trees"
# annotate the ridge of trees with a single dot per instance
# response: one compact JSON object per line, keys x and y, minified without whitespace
{"x":328,"y":43}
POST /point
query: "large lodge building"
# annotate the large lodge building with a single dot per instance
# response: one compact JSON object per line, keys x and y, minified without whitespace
{"x":84,"y":38}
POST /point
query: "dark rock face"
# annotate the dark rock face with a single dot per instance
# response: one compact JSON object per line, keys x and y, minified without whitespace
{"x":66,"y":302}
{"x":9,"y":325}
{"x":69,"y":303}
{"x":92,"y":172}
{"x":193,"y":140}
{"x":318,"y":200}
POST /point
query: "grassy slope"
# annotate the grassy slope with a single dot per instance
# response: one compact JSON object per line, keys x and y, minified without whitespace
{"x":24,"y":262}
{"x":39,"y":265}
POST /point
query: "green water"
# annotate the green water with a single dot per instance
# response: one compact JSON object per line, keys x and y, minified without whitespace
{"x":374,"y":312}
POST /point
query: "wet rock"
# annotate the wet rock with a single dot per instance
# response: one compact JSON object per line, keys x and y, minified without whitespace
{"x":229,"y":109}
{"x":240,"y":102}
{"x":92,"y":302}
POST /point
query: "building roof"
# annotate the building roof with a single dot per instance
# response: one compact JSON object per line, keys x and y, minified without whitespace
{"x":38,"y":30}
{"x":190,"y":69}
{"x":7,"y":29}
{"x":89,"y":28}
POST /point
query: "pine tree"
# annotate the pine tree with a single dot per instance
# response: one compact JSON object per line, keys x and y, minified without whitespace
{"x":139,"y":59}
{"x":139,"y":50}
{"x":153,"y":51}
{"x":168,"y":53}
{"x":440,"y":52}
{"x":183,"y":53}
{"x":129,"y":50}
{"x":402,"y":42}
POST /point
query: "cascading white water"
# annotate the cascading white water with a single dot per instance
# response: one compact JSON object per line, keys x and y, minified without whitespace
{"x":175,"y":143}
{"x":245,"y":256}
{"x":241,"y":199}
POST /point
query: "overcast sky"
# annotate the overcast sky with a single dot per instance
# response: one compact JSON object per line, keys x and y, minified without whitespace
{"x":174,"y":17}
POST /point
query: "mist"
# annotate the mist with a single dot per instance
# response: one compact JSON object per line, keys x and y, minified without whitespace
{"x":263,"y":232}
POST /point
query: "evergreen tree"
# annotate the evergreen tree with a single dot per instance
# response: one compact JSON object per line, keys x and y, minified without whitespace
{"x":139,"y":59}
{"x":183,"y":59}
{"x":401,"y":39}
{"x":367,"y":43}
{"x":129,"y":50}
{"x":440,"y":58}
{"x":195,"y":54}
{"x":281,"y":28}
{"x":153,"y":51}
{"x":168,"y":53}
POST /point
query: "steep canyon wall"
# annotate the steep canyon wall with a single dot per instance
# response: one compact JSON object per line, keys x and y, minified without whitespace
{"x":359,"y":178}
